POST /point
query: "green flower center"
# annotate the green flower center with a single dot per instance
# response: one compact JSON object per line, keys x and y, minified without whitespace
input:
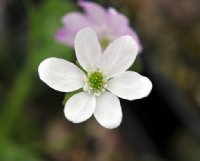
{"x":104,"y":42}
{"x":95,"y":82}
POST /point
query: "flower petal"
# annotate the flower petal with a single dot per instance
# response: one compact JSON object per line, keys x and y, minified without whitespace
{"x":116,"y":19}
{"x":61,"y":75}
{"x":75,"y":21}
{"x":108,"y":110}
{"x":80,"y":107}
{"x":66,"y":36}
{"x":130,"y":85}
{"x":119,"y":56}
{"x":95,"y":12}
{"x":88,"y":50}
{"x":127,"y":30}
{"x":120,"y":25}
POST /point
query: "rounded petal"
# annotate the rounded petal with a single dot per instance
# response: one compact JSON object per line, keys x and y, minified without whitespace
{"x":132,"y":33}
{"x":130,"y":85}
{"x":127,"y":30}
{"x":66,"y":36}
{"x":75,"y":21}
{"x":119,"y":56}
{"x":80,"y":107}
{"x":108,"y":110}
{"x":115,"y":19}
{"x":88,"y":50}
{"x":120,"y":26}
{"x":95,"y":12}
{"x":61,"y":75}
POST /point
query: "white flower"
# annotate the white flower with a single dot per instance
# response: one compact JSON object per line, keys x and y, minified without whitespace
{"x":105,"y":77}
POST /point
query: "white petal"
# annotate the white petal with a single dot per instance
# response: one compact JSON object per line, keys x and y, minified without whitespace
{"x":108,"y":110}
{"x":88,"y":50}
{"x":130,"y":85}
{"x":61,"y":75}
{"x":119,"y":56}
{"x":80,"y":107}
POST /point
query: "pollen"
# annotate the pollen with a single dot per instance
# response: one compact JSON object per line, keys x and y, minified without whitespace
{"x":95,"y":82}
{"x":104,"y":42}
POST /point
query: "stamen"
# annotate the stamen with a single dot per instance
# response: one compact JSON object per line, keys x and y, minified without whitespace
{"x":105,"y":42}
{"x":95,"y":83}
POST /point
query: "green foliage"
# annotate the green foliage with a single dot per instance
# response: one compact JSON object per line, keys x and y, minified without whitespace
{"x":43,"y":22}
{"x":12,"y":152}
{"x":137,"y":65}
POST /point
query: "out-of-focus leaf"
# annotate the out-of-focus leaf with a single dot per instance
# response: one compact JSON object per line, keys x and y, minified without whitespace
{"x":185,"y":147}
{"x":137,"y":65}
{"x":12,"y":152}
{"x":44,"y":22}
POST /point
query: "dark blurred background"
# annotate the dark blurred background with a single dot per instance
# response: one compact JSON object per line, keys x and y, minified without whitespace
{"x":162,"y":127}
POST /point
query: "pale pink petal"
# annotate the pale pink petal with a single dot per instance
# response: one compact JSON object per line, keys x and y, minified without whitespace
{"x":75,"y":21}
{"x":95,"y":12}
{"x":130,"y":85}
{"x":127,"y":30}
{"x":115,"y":19}
{"x":65,"y":36}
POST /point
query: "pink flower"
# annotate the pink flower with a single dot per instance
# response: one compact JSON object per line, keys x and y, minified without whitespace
{"x":107,"y":23}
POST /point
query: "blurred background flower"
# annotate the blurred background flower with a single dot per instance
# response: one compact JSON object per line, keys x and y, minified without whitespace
{"x":163,"y":126}
{"x":107,"y":23}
